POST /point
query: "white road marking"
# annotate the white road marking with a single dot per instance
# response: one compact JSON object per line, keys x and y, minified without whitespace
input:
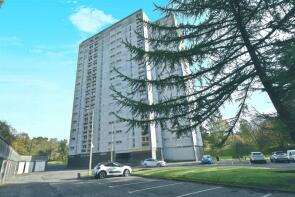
{"x":139,"y":190}
{"x":266,"y":195}
{"x":200,"y":191}
{"x":141,"y":182}
{"x":118,"y":180}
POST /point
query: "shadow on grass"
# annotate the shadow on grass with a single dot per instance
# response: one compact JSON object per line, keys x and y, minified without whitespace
{"x":284,"y":171}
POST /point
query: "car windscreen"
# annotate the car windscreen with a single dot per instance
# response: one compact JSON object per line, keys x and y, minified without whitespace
{"x":257,"y":154}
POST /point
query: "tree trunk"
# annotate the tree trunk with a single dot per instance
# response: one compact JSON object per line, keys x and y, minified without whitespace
{"x":284,"y":110}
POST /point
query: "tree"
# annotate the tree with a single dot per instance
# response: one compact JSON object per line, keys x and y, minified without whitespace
{"x":233,"y":47}
{"x":267,"y":133}
{"x":63,"y":150}
{"x":38,"y":146}
{"x":21,"y":143}
{"x":1,"y":3}
{"x":216,"y":129}
{"x":6,"y":132}
{"x":237,"y":146}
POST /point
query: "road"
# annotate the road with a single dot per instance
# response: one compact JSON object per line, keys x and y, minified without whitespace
{"x":64,"y":183}
{"x":277,"y":166}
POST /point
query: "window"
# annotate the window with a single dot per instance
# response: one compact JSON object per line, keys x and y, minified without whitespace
{"x":145,"y":141}
{"x":119,"y":131}
{"x":111,"y":165}
{"x":133,"y":142}
{"x":118,"y":142}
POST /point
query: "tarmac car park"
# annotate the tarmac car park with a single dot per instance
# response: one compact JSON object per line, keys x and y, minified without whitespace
{"x":65,"y":184}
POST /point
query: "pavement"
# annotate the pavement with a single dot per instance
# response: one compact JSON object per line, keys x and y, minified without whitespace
{"x":65,"y":183}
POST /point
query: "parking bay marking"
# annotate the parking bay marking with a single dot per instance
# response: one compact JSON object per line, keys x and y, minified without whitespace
{"x":118,"y":180}
{"x":141,"y":182}
{"x":200,"y":191}
{"x":149,"y":188}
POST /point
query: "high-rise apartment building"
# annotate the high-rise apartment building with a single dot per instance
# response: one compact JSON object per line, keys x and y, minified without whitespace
{"x":92,"y":118}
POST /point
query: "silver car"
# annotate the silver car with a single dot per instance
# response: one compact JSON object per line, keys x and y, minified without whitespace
{"x":153,"y":163}
{"x":279,"y":156}
{"x":257,"y":157}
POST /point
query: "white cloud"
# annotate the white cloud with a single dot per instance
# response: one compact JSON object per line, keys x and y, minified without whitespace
{"x":26,"y":81}
{"x":10,"y":41}
{"x":90,"y":20}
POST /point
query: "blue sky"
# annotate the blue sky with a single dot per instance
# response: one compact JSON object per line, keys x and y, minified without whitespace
{"x":38,"y":51}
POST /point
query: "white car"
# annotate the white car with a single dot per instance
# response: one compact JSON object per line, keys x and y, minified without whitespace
{"x":257,"y":157}
{"x":102,"y":170}
{"x":291,"y":155}
{"x":153,"y":162}
{"x":279,"y":156}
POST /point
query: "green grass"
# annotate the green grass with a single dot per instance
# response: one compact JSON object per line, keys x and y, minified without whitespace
{"x":222,"y":158}
{"x":255,"y":177}
{"x":57,"y":163}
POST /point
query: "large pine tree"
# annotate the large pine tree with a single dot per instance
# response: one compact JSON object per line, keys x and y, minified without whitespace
{"x":233,"y":47}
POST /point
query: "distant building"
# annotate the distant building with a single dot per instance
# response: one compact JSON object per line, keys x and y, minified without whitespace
{"x":92,"y":101}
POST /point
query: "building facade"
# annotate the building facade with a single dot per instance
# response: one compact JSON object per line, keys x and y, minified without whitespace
{"x":93,"y":106}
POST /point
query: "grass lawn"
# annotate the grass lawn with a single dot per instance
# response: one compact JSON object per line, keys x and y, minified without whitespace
{"x":57,"y":163}
{"x":255,"y":177}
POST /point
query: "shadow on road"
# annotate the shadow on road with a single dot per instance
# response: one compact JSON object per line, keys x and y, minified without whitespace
{"x":56,"y":168}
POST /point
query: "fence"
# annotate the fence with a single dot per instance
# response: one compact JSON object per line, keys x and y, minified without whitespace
{"x":11,"y":163}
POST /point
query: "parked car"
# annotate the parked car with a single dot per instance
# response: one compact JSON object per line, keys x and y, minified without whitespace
{"x":207,"y":159}
{"x":153,"y":162}
{"x":257,"y":157}
{"x":291,"y":155}
{"x":279,"y":156}
{"x":103,"y":170}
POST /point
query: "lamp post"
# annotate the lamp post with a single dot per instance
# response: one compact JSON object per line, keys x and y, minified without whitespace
{"x":91,"y":144}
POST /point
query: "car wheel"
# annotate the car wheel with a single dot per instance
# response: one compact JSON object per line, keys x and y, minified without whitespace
{"x":158,"y":165}
{"x":126,"y":173}
{"x":102,"y":175}
{"x":145,"y":165}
